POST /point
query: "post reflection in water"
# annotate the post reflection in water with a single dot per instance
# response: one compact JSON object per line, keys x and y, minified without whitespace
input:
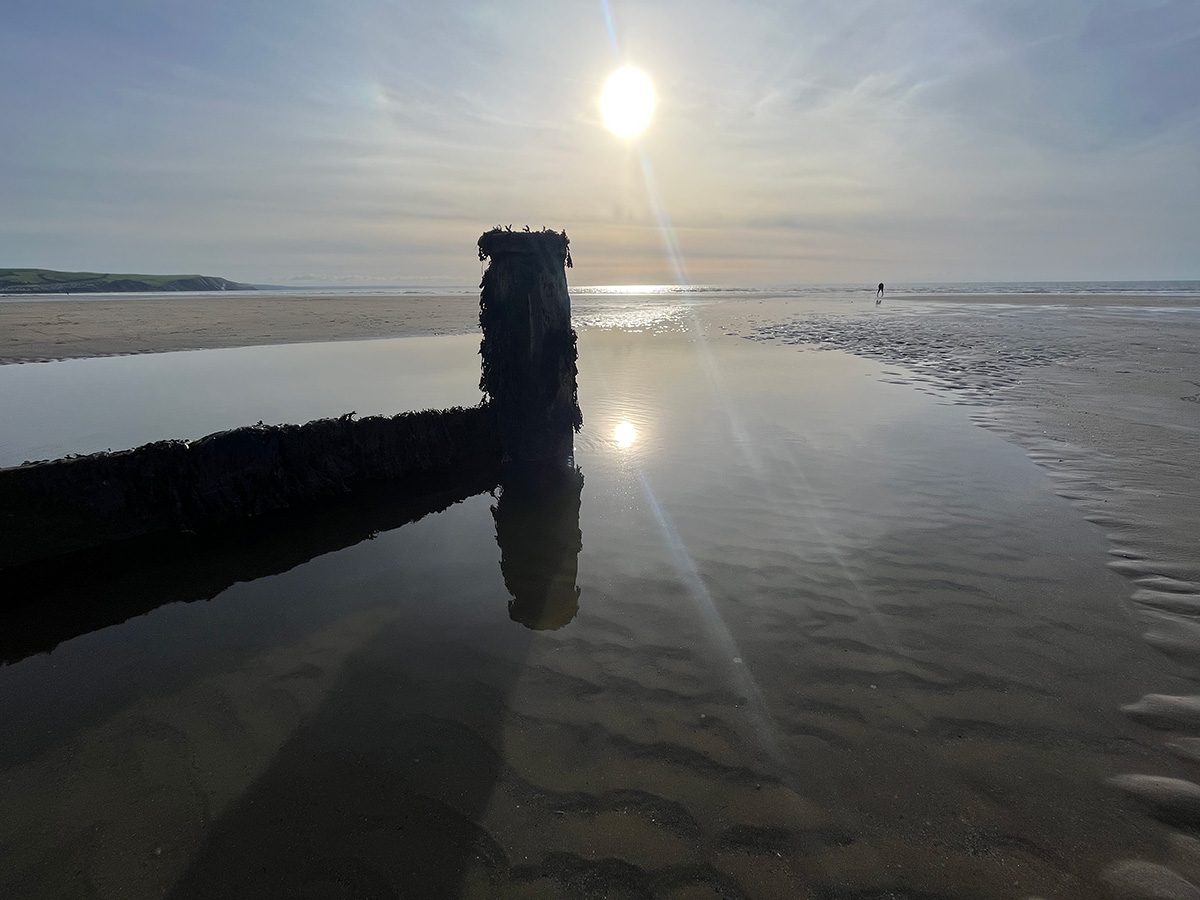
{"x":537,"y":528}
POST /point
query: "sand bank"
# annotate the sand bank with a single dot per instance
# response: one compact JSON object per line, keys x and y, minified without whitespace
{"x":37,"y":331}
{"x":1106,"y":396}
{"x":1091,"y":300}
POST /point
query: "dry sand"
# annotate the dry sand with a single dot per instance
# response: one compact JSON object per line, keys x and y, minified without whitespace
{"x":37,"y":331}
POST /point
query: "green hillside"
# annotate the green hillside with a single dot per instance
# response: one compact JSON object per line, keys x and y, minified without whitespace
{"x":49,"y":281}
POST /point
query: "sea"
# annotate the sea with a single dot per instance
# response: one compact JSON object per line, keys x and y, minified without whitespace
{"x":1187,"y":290}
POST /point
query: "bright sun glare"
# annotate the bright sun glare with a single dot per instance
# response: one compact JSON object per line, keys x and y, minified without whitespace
{"x":625,"y":434}
{"x":627,"y":102}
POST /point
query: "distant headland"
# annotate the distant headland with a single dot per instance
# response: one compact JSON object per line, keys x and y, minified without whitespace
{"x":48,"y":281}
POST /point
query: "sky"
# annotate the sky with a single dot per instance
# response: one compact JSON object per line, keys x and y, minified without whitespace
{"x":365,"y":142}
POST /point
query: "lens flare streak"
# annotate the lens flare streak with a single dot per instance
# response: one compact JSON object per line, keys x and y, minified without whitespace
{"x":670,"y":243}
{"x":606,"y":11}
{"x":665,"y":228}
{"x":758,"y":714}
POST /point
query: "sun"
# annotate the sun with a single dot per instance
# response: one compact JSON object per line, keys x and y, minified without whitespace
{"x":627,"y":102}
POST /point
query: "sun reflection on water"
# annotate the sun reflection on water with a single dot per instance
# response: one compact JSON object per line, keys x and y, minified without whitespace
{"x":631,"y":318}
{"x":625,"y":434}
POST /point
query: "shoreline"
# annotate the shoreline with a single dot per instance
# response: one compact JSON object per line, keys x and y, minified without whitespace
{"x":1104,"y":400}
{"x":1102,"y":389}
{"x":1105,"y":397}
{"x":39,"y":331}
{"x":1132,"y":301}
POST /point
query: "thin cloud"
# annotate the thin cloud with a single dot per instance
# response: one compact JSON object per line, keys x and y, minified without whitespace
{"x":792,"y":142}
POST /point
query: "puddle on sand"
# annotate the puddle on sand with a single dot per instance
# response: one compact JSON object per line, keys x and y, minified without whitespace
{"x":828,"y":639}
{"x":111,"y":403}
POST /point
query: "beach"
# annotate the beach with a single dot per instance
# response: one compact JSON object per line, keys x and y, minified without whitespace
{"x":882,"y":601}
{"x":1104,"y":392}
{"x":620,"y":451}
{"x":64,"y":328}
{"x":1103,"y":388}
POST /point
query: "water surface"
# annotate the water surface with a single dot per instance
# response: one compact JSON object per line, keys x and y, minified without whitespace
{"x":51,"y":409}
{"x":809,"y":634}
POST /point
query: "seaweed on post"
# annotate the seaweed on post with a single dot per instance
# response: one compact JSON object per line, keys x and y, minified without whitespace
{"x":529,"y":347}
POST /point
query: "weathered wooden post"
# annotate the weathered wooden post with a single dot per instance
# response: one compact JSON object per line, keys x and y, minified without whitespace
{"x":528,"y":345}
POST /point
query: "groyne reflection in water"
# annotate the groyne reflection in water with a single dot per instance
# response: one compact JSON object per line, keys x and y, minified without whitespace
{"x":537,"y":528}
{"x":51,"y":601}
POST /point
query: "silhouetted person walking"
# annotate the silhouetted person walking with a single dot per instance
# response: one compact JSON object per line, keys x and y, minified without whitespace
{"x":879,"y":294}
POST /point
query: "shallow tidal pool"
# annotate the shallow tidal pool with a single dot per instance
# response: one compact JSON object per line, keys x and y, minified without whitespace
{"x":788,"y":631}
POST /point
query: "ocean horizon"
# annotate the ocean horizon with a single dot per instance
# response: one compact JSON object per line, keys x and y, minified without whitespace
{"x":1186,"y":289}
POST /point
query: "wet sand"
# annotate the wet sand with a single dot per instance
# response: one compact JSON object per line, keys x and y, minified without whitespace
{"x":1135,"y":301}
{"x":831,"y":641}
{"x":1106,"y":396}
{"x":36,"y":331}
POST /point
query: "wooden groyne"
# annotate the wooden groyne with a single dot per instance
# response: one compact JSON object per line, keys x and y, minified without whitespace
{"x":529,"y":348}
{"x":531,"y":413}
{"x":54,"y":507}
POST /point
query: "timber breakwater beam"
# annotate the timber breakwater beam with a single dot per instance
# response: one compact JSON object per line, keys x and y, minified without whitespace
{"x":529,"y":417}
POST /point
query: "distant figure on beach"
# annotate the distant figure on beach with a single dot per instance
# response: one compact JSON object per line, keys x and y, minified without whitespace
{"x":879,"y":294}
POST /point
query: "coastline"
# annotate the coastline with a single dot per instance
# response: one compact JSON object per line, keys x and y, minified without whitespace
{"x":1100,"y":388}
{"x":44,"y":331}
{"x":1103,"y":395}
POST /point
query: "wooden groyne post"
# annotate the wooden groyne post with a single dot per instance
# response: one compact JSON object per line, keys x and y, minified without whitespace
{"x":529,"y":375}
{"x":528,"y":347}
